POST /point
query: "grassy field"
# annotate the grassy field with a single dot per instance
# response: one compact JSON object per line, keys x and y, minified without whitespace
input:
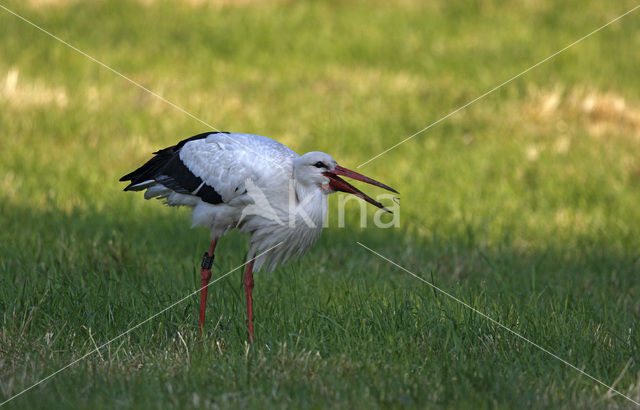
{"x":525,"y":205}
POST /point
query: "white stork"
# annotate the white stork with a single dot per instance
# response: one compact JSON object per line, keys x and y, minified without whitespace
{"x":252,"y":183}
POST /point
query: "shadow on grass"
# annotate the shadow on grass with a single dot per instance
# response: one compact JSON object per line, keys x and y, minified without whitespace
{"x":71,"y":281}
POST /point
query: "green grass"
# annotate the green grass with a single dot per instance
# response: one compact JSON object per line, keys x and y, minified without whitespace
{"x":524,"y":205}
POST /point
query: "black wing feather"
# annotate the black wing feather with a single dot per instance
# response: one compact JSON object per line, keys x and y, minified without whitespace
{"x":167,"y":168}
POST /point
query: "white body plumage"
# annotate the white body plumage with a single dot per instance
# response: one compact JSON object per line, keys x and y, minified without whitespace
{"x":252,"y":183}
{"x":261,"y":196}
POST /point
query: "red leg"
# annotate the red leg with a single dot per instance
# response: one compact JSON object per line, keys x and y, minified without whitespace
{"x":248,"y":288}
{"x":205,"y":276}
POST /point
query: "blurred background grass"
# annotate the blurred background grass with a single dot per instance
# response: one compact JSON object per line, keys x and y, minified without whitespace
{"x":524,"y":204}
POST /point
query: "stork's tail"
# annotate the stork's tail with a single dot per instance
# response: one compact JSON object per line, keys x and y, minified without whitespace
{"x":148,"y":175}
{"x":145,"y":176}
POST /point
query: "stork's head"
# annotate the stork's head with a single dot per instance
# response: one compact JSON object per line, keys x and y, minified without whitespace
{"x":320,"y":170}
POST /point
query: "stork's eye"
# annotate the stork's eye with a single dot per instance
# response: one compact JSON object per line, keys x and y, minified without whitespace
{"x":320,"y":164}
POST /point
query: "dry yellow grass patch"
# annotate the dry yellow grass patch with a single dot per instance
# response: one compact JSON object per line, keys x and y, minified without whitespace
{"x":602,"y":113}
{"x":194,"y":3}
{"x":219,"y":3}
{"x":50,"y":3}
{"x":19,"y":94}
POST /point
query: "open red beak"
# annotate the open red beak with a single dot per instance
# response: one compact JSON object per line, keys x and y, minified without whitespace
{"x":338,"y":184}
